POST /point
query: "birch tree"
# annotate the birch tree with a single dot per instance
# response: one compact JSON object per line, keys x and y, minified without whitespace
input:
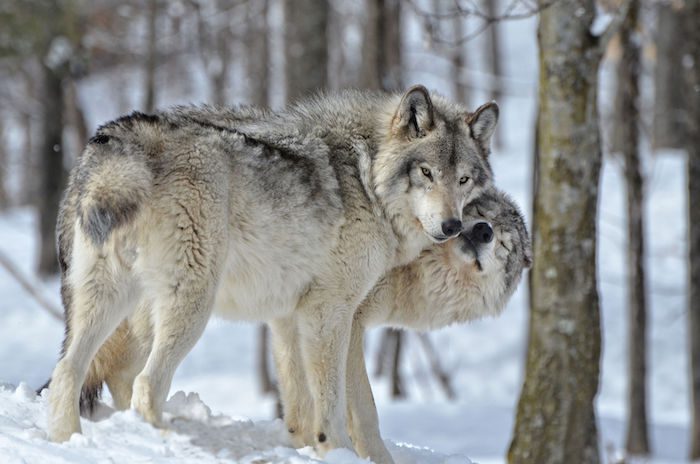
{"x":556,"y":418}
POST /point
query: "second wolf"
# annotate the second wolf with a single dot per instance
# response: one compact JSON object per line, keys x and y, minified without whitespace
{"x":467,"y":278}
{"x":289,"y":218}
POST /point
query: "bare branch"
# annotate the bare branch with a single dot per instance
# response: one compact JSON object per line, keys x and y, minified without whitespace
{"x":515,"y":10}
{"x":29,"y":287}
{"x":439,"y":373}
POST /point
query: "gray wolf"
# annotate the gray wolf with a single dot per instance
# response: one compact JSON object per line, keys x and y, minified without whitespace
{"x":286,"y":217}
{"x":464,"y":279}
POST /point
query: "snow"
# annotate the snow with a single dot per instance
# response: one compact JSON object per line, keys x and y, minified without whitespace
{"x":193,"y":435}
{"x":228,"y":420}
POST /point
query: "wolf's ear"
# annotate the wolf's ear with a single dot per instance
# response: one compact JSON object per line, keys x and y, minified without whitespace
{"x":482,"y":123}
{"x":414,"y":116}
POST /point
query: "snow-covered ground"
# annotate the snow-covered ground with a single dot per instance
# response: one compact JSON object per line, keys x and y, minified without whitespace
{"x":484,"y":358}
{"x":195,"y":435}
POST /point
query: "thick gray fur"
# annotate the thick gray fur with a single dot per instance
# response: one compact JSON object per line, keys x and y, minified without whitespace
{"x":286,"y":217}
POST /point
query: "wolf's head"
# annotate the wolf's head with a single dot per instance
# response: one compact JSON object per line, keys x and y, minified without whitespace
{"x":467,"y":278}
{"x":494,"y":243}
{"x":434,"y":160}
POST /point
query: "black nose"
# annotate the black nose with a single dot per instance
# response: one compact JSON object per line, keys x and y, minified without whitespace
{"x":451,"y":227}
{"x":482,"y":232}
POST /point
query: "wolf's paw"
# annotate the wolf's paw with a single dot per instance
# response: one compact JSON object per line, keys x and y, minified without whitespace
{"x":326,"y":444}
{"x":60,"y":432}
{"x":143,"y":403}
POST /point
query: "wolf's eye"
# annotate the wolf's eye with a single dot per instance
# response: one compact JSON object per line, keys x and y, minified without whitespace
{"x":463,"y":180}
{"x":426,"y":172}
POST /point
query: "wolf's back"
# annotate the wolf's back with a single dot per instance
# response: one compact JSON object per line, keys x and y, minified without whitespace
{"x":113,"y":177}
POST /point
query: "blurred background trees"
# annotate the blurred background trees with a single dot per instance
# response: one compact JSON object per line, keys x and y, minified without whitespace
{"x":151,"y":53}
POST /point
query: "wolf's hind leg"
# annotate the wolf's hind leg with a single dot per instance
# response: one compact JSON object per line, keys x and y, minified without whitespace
{"x":102,"y":297}
{"x":179,"y":321}
{"x":135,"y":342}
{"x":296,"y":400}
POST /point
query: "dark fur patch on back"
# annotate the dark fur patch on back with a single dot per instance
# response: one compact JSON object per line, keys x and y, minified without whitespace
{"x":99,"y":139}
{"x":98,"y":222}
{"x":127,"y":121}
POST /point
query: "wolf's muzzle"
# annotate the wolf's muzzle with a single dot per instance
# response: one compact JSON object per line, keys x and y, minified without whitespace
{"x":482,"y":233}
{"x":451,"y":227}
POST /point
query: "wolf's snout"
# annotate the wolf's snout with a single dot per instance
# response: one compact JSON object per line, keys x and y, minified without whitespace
{"x":482,"y":232}
{"x":451,"y":227}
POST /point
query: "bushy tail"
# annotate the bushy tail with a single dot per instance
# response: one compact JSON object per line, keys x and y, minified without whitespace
{"x":89,"y":396}
{"x":113,"y":357}
{"x":116,"y":180}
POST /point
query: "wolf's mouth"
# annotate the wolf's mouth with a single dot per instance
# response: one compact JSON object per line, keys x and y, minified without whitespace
{"x":469,"y":247}
{"x":439,"y":238}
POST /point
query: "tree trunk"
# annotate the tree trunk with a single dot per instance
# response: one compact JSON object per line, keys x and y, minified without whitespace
{"x":669,"y":98}
{"x":398,"y":390}
{"x":266,"y":383}
{"x":381,"y":46}
{"x":692,"y":44}
{"x":219,"y":73}
{"x":149,"y":101}
{"x":258,"y":52}
{"x":29,"y":186}
{"x":556,"y":418}
{"x":459,"y":50}
{"x":51,"y":169}
{"x":75,"y":115}
{"x":306,"y":47}
{"x":382,"y":70}
{"x":535,"y":194}
{"x":4,"y":195}
{"x":627,"y":124}
{"x":494,"y":60}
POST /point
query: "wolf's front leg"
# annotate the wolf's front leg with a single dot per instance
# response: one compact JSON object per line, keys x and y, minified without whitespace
{"x":362,"y":411}
{"x":325,"y":333}
{"x":294,"y":392}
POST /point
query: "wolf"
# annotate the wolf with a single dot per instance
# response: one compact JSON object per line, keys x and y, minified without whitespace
{"x":464,"y":279}
{"x":287,"y":217}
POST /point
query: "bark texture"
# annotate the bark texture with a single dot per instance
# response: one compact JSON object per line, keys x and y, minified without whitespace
{"x":494,"y":59}
{"x":149,"y":99}
{"x":556,"y":419}
{"x":627,"y":124}
{"x":258,"y":50}
{"x":306,"y":47}
{"x":459,"y":51}
{"x":668,"y":128}
{"x":4,"y":196}
{"x":692,"y":51}
{"x":381,"y":47}
{"x":52,"y":170}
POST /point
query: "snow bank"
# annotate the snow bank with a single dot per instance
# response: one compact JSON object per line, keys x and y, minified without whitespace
{"x":194,"y":435}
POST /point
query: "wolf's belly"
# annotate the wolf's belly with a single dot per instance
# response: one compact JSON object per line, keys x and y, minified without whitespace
{"x":251,"y":296}
{"x":261,"y":281}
